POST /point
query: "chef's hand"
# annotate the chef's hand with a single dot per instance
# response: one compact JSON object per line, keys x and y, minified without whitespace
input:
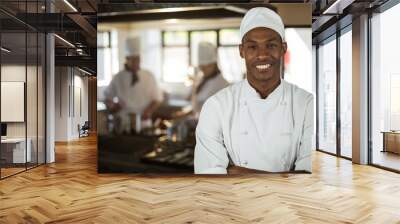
{"x":150,"y":109}
{"x":181,"y":114}
{"x":242,"y":170}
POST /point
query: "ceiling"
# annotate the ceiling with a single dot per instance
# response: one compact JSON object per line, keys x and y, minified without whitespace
{"x":74,"y":21}
{"x":78,"y":24}
{"x":328,"y":16}
{"x":122,"y":12}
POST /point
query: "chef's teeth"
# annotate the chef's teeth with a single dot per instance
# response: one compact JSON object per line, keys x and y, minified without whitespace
{"x":263,"y":66}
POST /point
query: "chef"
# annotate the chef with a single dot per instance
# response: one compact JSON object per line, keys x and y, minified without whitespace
{"x":211,"y":80}
{"x":133,"y":90}
{"x":263,"y":123}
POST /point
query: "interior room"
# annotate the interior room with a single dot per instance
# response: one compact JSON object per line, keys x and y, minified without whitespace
{"x":335,"y":62}
{"x":22,"y":96}
{"x":66,"y":156}
{"x":31,"y":93}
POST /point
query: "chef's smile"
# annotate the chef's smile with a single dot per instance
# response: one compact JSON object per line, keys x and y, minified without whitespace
{"x":263,"y":67}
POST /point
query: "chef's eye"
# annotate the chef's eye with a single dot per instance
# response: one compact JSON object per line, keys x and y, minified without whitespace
{"x":272,"y":45}
{"x":251,"y":47}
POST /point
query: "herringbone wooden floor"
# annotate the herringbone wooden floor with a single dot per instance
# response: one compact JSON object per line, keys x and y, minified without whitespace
{"x":71,"y":191}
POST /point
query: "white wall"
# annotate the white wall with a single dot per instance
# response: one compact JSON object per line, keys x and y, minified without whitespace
{"x":61,"y":103}
{"x":69,"y":85}
{"x":33,"y":126}
{"x":14,"y":73}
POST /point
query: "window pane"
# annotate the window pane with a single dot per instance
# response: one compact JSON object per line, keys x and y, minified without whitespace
{"x":298,"y":57}
{"x":385,"y":87}
{"x":175,"y":64}
{"x":394,"y":102}
{"x":231,"y":64}
{"x":175,"y":38}
{"x":196,"y":38}
{"x":107,"y":57}
{"x":103,"y":39}
{"x":229,"y":36}
{"x":104,"y":64}
{"x":327,"y":97}
{"x":346,"y":94}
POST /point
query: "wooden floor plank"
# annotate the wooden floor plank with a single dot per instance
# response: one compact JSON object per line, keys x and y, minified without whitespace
{"x":71,"y":191}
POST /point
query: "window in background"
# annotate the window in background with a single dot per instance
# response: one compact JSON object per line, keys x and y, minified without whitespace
{"x":175,"y":56}
{"x":107,"y":57}
{"x":327,"y":96}
{"x":176,"y":53}
{"x":231,"y":64}
{"x":175,"y":38}
{"x":346,"y":94}
{"x":385,"y":85}
{"x":298,"y":58}
{"x":229,"y":37}
{"x":151,"y":51}
{"x":395,"y":102}
{"x":198,"y":36}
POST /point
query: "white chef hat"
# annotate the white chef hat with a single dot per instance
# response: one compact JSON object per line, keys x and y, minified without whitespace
{"x":207,"y":53}
{"x":262,"y":17}
{"x":132,"y":47}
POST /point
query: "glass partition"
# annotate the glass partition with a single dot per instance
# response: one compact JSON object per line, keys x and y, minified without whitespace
{"x":346,"y":94}
{"x":14,"y":153}
{"x":385,"y":89}
{"x":327,"y":96}
{"x":22,"y":89}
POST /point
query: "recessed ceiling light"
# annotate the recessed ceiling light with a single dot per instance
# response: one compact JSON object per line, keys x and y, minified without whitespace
{"x":84,"y":71}
{"x":64,"y":40}
{"x":70,"y":5}
{"x":5,"y":50}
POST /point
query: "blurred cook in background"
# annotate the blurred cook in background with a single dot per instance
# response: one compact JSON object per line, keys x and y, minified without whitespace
{"x":132,"y":90}
{"x":210,"y":80}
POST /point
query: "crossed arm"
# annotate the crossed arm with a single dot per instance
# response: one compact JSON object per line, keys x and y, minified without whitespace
{"x":211,"y":155}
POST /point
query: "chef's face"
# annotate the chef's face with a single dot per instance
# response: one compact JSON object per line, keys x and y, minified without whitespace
{"x":133,"y":63}
{"x":262,"y":49}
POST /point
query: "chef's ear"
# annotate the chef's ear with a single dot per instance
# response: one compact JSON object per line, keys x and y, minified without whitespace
{"x":284,"y":47}
{"x":241,"y":50}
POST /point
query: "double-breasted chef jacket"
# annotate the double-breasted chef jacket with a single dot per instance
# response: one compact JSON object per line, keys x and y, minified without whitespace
{"x":272,"y":134}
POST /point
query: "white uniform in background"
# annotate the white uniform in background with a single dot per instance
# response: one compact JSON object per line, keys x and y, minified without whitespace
{"x":272,"y":134}
{"x":207,"y":54}
{"x":134,"y":97}
{"x":212,"y":86}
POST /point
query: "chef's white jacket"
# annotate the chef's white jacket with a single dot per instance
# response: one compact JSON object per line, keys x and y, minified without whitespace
{"x":134,"y":98}
{"x":211,"y":87}
{"x":272,"y":134}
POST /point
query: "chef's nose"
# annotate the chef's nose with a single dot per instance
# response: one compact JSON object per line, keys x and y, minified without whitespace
{"x":262,"y":53}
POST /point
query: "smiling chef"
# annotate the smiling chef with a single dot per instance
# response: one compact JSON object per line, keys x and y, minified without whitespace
{"x":263,"y":123}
